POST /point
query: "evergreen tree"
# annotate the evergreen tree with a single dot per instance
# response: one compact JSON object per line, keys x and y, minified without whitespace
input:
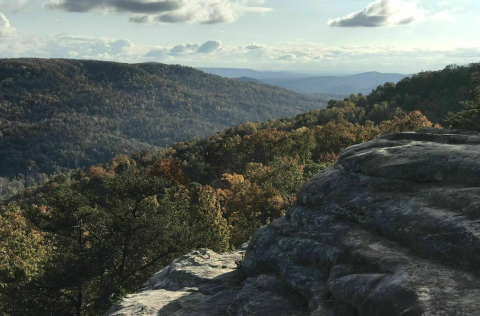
{"x":470,"y":118}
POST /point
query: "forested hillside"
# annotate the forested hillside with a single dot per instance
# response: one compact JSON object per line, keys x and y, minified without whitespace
{"x":57,"y":115}
{"x":78,"y":243}
{"x":434,"y":93}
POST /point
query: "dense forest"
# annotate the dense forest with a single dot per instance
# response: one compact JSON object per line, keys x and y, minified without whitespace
{"x":434,"y":93}
{"x":76,"y":244}
{"x":57,"y":115}
{"x":470,"y":118}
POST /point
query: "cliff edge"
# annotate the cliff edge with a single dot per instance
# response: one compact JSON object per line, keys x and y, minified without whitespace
{"x":393,"y":228}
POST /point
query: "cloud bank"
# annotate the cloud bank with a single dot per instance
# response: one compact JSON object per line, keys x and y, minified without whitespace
{"x":186,"y":49}
{"x":5,"y":29}
{"x":254,"y":46}
{"x":165,"y":11}
{"x":382,"y":13}
{"x":209,"y":47}
{"x":132,"y":6}
{"x":213,"y":53}
{"x":12,"y":5}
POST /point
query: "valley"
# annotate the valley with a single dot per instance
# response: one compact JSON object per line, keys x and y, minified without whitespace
{"x":93,"y":230}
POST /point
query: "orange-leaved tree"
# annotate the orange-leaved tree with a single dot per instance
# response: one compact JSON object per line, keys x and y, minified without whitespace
{"x":170,"y":169}
{"x":404,"y":122}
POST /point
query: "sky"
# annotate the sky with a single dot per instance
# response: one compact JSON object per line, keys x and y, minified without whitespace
{"x":404,"y":36}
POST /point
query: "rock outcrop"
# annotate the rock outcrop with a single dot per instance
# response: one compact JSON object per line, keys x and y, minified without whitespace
{"x":199,"y":283}
{"x":393,"y":228}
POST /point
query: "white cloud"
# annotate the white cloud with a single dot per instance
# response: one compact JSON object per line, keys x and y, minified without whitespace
{"x":449,"y":12}
{"x":382,"y":13}
{"x":12,"y":5}
{"x":213,"y":53}
{"x":209,"y":47}
{"x":184,"y":49}
{"x":443,"y":16}
{"x":254,"y":46}
{"x":4,"y":22}
{"x":166,"y":11}
{"x":85,"y":47}
{"x":13,"y":42}
{"x":210,"y":12}
{"x":5,"y":29}
{"x":156,"y":53}
{"x":288,"y":57}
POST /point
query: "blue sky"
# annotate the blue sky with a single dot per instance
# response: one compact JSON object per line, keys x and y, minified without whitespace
{"x":299,"y":35}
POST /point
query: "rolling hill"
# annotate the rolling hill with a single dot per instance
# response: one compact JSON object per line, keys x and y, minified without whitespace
{"x":248,"y":79}
{"x":56,"y":115}
{"x":434,"y":93}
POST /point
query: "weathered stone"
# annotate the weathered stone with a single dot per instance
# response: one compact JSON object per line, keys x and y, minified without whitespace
{"x":392,"y":229}
{"x":200,"y":283}
{"x":267,"y":295}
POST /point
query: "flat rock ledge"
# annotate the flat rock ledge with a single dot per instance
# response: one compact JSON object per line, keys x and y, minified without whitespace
{"x":393,"y":228}
{"x":199,"y":283}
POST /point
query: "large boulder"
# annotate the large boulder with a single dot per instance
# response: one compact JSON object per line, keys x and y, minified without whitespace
{"x":393,"y":228}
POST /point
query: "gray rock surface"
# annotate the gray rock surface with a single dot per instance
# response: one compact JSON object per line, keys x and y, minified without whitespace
{"x":393,"y":228}
{"x":199,"y":283}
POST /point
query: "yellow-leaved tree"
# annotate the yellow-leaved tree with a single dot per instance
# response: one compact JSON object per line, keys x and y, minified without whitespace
{"x":23,"y":252}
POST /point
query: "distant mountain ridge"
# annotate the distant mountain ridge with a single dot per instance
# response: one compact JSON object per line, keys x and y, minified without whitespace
{"x":305,"y":83}
{"x":248,"y":79}
{"x":359,"y":83}
{"x":244,"y":72}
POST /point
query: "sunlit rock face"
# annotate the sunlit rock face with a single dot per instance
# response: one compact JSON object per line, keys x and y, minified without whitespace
{"x":393,"y":228}
{"x":199,"y":283}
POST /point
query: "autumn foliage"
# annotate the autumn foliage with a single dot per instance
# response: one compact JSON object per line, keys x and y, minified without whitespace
{"x":23,"y":253}
{"x":170,"y":169}
{"x":100,"y":235}
{"x":406,"y":122}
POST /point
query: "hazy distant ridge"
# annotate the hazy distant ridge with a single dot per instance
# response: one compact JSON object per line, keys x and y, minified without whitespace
{"x":304,"y":83}
{"x":250,"y":73}
{"x":360,"y":83}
